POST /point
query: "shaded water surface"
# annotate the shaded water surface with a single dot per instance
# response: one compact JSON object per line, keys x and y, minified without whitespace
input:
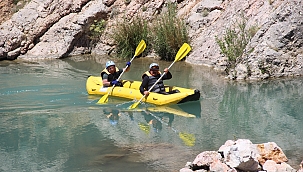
{"x":48,"y":122}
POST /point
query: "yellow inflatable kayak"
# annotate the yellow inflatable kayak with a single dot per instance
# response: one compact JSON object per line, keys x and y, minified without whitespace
{"x":130,"y":90}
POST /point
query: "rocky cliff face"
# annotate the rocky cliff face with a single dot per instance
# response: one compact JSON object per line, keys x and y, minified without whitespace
{"x":276,"y":50}
{"x":56,"y":29}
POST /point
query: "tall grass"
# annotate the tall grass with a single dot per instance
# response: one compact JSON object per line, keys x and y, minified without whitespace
{"x":128,"y":34}
{"x":169,"y":33}
{"x":165,"y":35}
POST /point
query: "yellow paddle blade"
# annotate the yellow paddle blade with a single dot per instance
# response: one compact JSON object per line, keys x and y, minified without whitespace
{"x":103,"y":99}
{"x":188,"y":139}
{"x":140,"y":48}
{"x":144,"y":127}
{"x":183,"y":51}
{"x":133,"y":106}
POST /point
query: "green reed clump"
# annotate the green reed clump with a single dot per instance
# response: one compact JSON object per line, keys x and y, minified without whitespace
{"x":169,"y":33}
{"x":96,"y":29}
{"x":235,"y":39}
{"x":166,"y":35}
{"x":128,"y":34}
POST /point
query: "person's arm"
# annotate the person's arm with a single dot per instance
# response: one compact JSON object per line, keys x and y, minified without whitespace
{"x":143,"y":86}
{"x":115,"y":82}
{"x":168,"y":75}
{"x":105,"y":81}
{"x":127,"y":68}
{"x":120,"y":71}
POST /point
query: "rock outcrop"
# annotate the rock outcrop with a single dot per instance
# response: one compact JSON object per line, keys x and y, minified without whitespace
{"x":56,"y":29}
{"x":276,"y":49}
{"x":46,"y":28}
{"x":241,"y":155}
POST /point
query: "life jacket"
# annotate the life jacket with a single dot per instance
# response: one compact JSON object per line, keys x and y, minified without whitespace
{"x":159,"y":87}
{"x":113,"y":76}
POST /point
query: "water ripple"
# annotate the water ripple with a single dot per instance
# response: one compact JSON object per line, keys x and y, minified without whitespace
{"x":17,"y":91}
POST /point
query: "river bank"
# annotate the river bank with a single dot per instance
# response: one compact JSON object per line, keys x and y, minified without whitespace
{"x":59,"y":29}
{"x":50,"y":122}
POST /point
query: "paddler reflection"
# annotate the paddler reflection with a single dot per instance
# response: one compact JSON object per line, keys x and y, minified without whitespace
{"x":114,"y":114}
{"x":156,"y":121}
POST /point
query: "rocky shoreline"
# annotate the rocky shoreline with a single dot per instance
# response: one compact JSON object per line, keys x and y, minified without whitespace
{"x":57,"y":29}
{"x":242,"y":155}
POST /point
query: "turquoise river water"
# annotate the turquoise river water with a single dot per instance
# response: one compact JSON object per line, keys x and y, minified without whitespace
{"x":48,"y":122}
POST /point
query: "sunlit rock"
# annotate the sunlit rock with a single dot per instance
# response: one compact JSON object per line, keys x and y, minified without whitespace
{"x":270,"y":151}
{"x":301,"y":167}
{"x":206,"y":158}
{"x":272,"y":166}
{"x":242,"y":155}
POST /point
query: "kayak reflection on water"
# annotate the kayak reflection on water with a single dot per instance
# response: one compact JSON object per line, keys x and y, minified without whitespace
{"x":154,"y":121}
{"x":148,"y":121}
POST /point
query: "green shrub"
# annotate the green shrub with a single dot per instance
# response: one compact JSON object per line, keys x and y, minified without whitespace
{"x":166,"y":35}
{"x":169,"y":33}
{"x":128,"y":34}
{"x":95,"y":30}
{"x":235,"y":40}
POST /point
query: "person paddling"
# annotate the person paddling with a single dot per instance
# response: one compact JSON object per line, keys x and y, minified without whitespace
{"x":150,"y":77}
{"x":111,"y":73}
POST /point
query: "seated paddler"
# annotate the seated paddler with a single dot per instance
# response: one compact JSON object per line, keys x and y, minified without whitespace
{"x":111,"y":73}
{"x":150,"y":77}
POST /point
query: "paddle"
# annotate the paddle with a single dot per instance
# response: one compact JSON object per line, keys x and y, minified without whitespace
{"x":140,"y":48}
{"x":180,"y":55}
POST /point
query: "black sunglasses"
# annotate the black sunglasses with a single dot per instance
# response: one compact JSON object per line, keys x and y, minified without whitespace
{"x":154,"y":69}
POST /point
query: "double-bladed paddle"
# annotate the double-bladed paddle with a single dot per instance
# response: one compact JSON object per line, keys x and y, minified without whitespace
{"x":183,"y":51}
{"x":140,"y":48}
